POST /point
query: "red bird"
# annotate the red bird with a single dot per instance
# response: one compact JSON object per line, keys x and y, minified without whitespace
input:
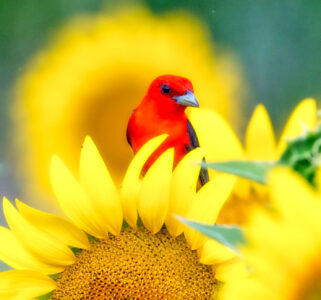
{"x":162,"y":110}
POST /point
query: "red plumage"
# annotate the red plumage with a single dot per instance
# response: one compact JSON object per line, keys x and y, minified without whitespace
{"x":162,"y":110}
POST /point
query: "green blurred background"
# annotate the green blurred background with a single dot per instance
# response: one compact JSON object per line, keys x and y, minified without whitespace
{"x":277,"y":42}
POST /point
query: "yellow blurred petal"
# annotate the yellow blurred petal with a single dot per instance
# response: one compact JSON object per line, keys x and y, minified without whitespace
{"x":249,"y":287}
{"x":23,"y":285}
{"x":215,"y":135}
{"x":261,"y":190}
{"x":242,"y":187}
{"x":303,"y":116}
{"x":206,"y":206}
{"x":260,"y":139}
{"x":56,"y":226}
{"x":131,"y":183}
{"x":101,"y":189}
{"x":154,"y":195}
{"x":213,"y":253}
{"x":73,"y":201}
{"x":236,"y":268}
{"x":183,"y":189}
{"x":291,"y":200}
{"x":16,"y":256}
{"x":265,"y":253}
{"x":46,"y":248}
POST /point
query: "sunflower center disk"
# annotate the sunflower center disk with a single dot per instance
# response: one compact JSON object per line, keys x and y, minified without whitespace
{"x":137,"y":265}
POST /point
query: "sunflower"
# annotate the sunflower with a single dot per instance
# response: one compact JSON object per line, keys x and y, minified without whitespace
{"x":222,"y":144}
{"x":284,"y":245}
{"x":96,"y":254}
{"x":96,"y":70}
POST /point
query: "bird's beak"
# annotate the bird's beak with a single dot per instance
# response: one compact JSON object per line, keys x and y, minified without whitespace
{"x":188,"y":99}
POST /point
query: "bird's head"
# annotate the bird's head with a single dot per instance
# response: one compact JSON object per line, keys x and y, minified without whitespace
{"x":171,"y":94}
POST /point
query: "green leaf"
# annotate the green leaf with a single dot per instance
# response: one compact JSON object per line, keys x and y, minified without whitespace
{"x":4,"y":267}
{"x":230,"y":236}
{"x":45,"y":297}
{"x":253,"y":170}
{"x":303,"y":153}
{"x":75,"y":250}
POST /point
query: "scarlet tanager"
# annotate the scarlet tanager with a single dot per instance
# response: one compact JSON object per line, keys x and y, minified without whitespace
{"x":162,"y":110}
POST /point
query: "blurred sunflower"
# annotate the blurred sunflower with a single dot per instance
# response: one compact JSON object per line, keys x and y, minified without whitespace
{"x":222,"y":144}
{"x":96,"y":71}
{"x":119,"y":261}
{"x":285,"y":245}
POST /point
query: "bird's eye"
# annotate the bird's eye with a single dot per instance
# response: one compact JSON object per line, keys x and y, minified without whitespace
{"x":165,"y":89}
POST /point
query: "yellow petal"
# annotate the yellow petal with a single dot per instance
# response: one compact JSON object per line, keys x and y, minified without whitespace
{"x":154,"y":194}
{"x":215,"y":135}
{"x":183,"y":189}
{"x":56,"y":226}
{"x":206,"y":206}
{"x":44,"y":247}
{"x":100,"y":188}
{"x":73,"y":200}
{"x":22,"y":285}
{"x":16,"y":256}
{"x":131,"y":183}
{"x":213,"y":253}
{"x":260,"y":139}
{"x":303,"y":116}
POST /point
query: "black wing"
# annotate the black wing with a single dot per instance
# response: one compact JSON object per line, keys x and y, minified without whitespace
{"x":195,"y":144}
{"x":128,"y":139}
{"x":127,"y":133}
